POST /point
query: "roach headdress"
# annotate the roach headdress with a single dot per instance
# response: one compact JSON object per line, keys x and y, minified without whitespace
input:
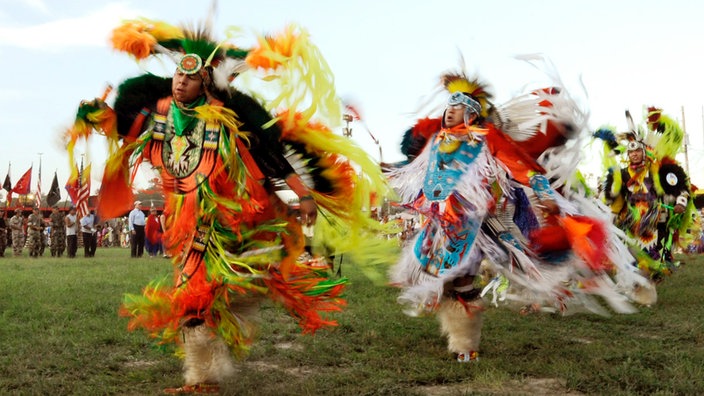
{"x":469,"y":92}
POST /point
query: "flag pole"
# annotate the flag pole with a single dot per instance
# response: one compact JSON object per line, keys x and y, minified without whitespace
{"x":8,"y":196}
{"x":82,"y":207}
{"x":24,"y":200}
{"x":686,"y":143}
{"x":39,"y":183}
{"x":80,"y":172}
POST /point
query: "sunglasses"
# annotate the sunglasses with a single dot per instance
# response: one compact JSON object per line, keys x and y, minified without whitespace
{"x":460,"y":99}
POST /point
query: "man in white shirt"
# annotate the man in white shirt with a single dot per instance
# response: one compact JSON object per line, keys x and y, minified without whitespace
{"x":71,"y":221}
{"x":90,"y":242}
{"x":136,"y":224}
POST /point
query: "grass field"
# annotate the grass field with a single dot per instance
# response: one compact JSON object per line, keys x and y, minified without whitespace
{"x":60,"y":335}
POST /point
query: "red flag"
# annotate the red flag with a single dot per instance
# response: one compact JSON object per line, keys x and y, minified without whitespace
{"x":23,"y":184}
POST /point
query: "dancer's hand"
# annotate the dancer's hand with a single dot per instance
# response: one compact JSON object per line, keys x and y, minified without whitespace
{"x":549,"y":206}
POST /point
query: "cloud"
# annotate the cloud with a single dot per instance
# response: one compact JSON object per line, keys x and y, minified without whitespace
{"x":13,"y":95}
{"x":38,"y":5}
{"x":35,"y":5}
{"x":89,"y":30}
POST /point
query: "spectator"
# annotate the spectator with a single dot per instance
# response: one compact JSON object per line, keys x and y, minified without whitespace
{"x":58,"y":232}
{"x":3,"y":233}
{"x":136,"y":225}
{"x":153,"y":233}
{"x":89,"y":238}
{"x":17,"y":228}
{"x":71,"y":221}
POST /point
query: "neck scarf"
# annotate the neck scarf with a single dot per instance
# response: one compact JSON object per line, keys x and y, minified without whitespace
{"x":184,"y":118}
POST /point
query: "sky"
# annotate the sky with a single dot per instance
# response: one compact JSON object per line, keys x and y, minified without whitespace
{"x":385,"y":55}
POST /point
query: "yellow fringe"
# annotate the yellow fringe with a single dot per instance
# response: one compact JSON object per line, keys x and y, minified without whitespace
{"x":670,"y":139}
{"x":220,"y":114}
{"x":103,"y":121}
{"x":319,"y":139}
{"x":345,"y":225}
{"x":305,"y":81}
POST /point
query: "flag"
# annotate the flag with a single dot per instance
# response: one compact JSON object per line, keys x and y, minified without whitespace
{"x":83,"y":193}
{"x":73,"y":184}
{"x":22,"y":186}
{"x":7,"y":185}
{"x":54,"y":194}
{"x":38,"y":196}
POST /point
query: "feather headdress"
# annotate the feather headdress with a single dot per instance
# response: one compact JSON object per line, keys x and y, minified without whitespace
{"x":218,"y":61}
{"x":661,"y":138}
{"x":288,"y":59}
{"x":665,"y":134}
{"x":459,"y":82}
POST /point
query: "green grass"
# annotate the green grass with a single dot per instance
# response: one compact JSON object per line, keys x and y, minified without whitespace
{"x":60,"y":335}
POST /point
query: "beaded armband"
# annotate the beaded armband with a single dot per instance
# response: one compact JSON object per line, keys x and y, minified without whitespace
{"x":541,"y":186}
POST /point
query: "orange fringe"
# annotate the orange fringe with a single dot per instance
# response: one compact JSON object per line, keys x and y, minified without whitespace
{"x":133,"y":37}
{"x":518,"y":162}
{"x":291,"y":293}
{"x":588,"y":239}
{"x":427,"y":127}
{"x":272,"y":51}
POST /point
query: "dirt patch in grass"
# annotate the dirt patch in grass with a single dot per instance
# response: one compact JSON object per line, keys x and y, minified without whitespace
{"x":265,"y":366}
{"x":140,"y":363}
{"x":289,"y":345}
{"x":530,"y":386}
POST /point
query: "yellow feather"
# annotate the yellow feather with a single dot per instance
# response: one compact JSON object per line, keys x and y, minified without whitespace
{"x":459,"y":82}
{"x":460,"y":85}
{"x":163,"y":31}
{"x":299,"y":74}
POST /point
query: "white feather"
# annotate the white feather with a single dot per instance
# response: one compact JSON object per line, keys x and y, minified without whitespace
{"x":225,"y":70}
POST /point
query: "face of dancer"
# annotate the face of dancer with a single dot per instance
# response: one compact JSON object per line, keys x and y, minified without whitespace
{"x":635,"y":156}
{"x":454,"y":115}
{"x":186,"y":88}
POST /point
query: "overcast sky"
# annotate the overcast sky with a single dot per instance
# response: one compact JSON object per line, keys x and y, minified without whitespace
{"x":386,"y":55}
